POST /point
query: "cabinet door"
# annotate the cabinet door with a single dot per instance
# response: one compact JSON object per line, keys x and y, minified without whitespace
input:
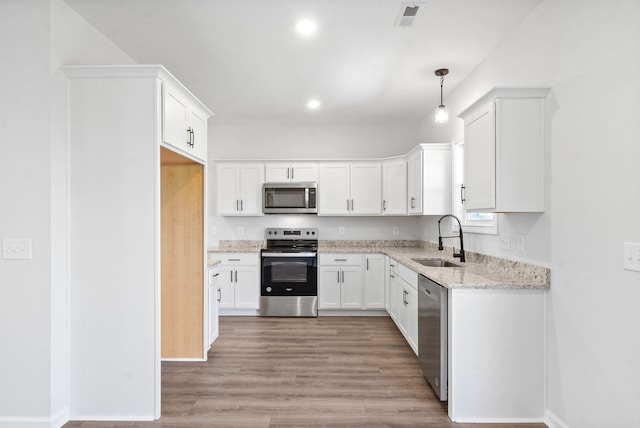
{"x":226,"y":285}
{"x":198,"y":124}
{"x":394,"y":298}
{"x":175,"y":117}
{"x":212,"y":295}
{"x":277,"y":172}
{"x":247,"y":287}
{"x":394,"y":188}
{"x":251,"y":180}
{"x":329,"y":287}
{"x":304,"y":172}
{"x":403,"y":312}
{"x":351,"y":287}
{"x":333,"y":190}
{"x":374,"y":280}
{"x":411,"y":307}
{"x":414,"y":182}
{"x":480,"y":161}
{"x":228,"y":189}
{"x":366,"y":188}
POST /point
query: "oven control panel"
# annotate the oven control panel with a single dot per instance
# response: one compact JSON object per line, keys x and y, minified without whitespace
{"x":284,"y":233}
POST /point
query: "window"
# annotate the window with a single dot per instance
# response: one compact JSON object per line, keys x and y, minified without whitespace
{"x":472,"y":222}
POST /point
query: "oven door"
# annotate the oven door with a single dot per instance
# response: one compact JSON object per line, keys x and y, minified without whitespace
{"x":289,"y":274}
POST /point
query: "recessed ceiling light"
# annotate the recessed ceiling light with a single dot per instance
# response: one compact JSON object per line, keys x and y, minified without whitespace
{"x":306,"y":27}
{"x":313,"y":104}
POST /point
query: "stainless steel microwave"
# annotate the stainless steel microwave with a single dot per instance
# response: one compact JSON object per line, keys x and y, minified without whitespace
{"x":290,"y":198}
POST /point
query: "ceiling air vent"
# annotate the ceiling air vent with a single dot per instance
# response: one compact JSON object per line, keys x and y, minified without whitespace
{"x":408,"y":14}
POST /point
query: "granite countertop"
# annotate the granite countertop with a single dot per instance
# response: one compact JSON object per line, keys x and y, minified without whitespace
{"x":213,"y":262}
{"x":479,"y":271}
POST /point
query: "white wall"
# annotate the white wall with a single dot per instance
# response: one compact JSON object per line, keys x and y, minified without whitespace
{"x":25,"y":198}
{"x":37,"y":36}
{"x":309,"y":141}
{"x":588,"y":52}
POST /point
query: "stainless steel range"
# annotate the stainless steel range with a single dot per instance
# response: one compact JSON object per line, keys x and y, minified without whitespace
{"x":289,"y":263}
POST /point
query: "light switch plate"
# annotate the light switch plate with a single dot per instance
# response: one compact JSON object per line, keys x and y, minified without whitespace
{"x":16,"y":249}
{"x":341,"y":230}
{"x":520,"y":242}
{"x":240,"y":230}
{"x":396,"y":230}
{"x":632,"y":256}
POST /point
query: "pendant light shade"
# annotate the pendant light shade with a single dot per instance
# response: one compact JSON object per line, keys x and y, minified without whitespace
{"x":442,"y":114}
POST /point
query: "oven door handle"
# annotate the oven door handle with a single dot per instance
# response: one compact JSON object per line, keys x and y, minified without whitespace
{"x":292,"y":255}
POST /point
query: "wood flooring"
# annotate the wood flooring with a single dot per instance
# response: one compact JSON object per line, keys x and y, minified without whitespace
{"x":301,"y":373}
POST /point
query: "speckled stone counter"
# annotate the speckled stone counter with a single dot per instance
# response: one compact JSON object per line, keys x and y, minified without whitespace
{"x":213,"y":262}
{"x":479,"y":271}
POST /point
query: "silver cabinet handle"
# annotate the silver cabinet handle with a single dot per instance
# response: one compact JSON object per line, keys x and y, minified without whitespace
{"x":234,"y":260}
{"x":392,"y":275}
{"x":351,"y":204}
{"x":343,"y":277}
{"x":367,"y":264}
{"x":339,"y":260}
{"x":219,"y":295}
{"x":413,"y":200}
{"x":292,"y":173}
{"x":384,"y":205}
{"x":231,"y":277}
{"x":241,"y":204}
{"x":236,"y":276}
{"x":338,"y":277}
{"x":347,"y":204}
{"x":216,"y":274}
{"x":462,"y":194}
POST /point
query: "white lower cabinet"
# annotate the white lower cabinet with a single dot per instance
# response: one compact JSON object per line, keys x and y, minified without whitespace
{"x":374,"y":281}
{"x":403,"y":301}
{"x":239,"y":281}
{"x":340,"y":281}
{"x":213,"y":296}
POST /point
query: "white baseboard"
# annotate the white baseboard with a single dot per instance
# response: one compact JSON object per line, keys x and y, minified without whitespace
{"x":352,"y":313}
{"x":498,"y":420}
{"x":55,"y":421}
{"x":553,"y":421}
{"x":111,"y":418}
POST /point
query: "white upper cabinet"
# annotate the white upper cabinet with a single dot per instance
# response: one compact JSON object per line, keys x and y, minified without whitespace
{"x":291,"y":172}
{"x":394,"y":187}
{"x":239,"y":189}
{"x":429,"y":180}
{"x":504,"y":151}
{"x":184,"y":124}
{"x":350,"y":188}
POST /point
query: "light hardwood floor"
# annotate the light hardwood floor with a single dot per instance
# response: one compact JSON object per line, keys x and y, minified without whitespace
{"x":302,"y":373}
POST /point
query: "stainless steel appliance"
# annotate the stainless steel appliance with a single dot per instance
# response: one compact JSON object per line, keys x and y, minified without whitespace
{"x":290,"y":198}
{"x":289,"y":280}
{"x":432,"y":335}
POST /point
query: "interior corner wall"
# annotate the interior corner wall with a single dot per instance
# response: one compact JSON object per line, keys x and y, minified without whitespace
{"x":73,"y":42}
{"x":309,"y":141}
{"x":588,"y":53}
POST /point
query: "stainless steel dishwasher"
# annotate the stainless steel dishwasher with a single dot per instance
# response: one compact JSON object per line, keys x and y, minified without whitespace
{"x":432,"y":334}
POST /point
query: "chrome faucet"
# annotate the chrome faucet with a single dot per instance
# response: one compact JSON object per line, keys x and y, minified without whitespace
{"x":440,"y":237}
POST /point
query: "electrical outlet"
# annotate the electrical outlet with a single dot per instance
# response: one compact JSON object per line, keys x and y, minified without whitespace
{"x":505,"y":241}
{"x":240,"y":230}
{"x":520,"y":242}
{"x":213,"y":230}
{"x":396,"y":230}
{"x":341,"y":230}
{"x":632,"y":256}
{"x":16,"y":249}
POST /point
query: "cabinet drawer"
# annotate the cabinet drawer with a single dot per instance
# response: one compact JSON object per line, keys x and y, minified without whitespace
{"x":338,"y":259}
{"x":408,"y":275}
{"x":239,"y":258}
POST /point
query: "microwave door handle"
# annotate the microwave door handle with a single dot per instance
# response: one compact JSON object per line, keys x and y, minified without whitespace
{"x":306,"y":197}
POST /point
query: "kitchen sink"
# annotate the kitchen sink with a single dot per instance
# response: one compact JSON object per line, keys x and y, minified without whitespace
{"x":435,"y":263}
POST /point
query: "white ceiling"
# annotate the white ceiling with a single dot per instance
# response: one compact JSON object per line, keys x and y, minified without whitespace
{"x":244,"y":60}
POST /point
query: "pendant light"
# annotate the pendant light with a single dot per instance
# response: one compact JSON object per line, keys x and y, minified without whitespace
{"x":442,"y":114}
